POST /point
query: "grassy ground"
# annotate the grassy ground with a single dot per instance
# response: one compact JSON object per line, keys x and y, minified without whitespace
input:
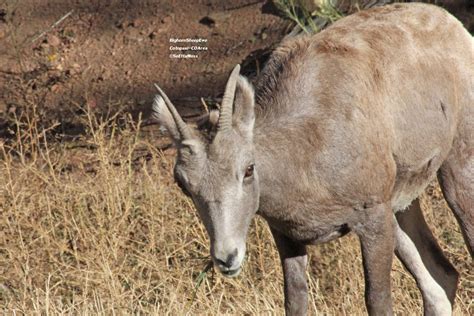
{"x":96,"y":226}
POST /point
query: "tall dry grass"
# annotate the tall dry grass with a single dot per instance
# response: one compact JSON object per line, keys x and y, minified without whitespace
{"x":96,"y":226}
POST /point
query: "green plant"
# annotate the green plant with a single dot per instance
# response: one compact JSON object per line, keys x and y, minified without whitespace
{"x":310,"y":20}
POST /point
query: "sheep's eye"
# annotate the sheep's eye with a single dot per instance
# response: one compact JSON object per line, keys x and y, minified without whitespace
{"x":249,"y":171}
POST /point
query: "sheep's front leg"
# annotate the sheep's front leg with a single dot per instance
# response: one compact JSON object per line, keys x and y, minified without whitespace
{"x":376,"y":234}
{"x":293,"y":260}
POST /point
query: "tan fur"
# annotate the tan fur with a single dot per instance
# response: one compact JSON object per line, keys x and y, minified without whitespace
{"x":347,"y":127}
{"x":371,"y":81}
{"x":368,"y":111}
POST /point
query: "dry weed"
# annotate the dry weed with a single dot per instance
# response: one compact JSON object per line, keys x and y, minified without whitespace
{"x":97,"y":226}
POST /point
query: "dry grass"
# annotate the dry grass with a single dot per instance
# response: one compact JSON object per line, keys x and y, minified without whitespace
{"x":97,"y":227}
{"x":309,"y":16}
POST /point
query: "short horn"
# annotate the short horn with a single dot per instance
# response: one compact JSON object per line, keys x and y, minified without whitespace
{"x":182,"y":127}
{"x":225,"y":118}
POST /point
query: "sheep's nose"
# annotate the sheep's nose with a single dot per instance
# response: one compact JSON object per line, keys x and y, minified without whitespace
{"x":229,"y":261}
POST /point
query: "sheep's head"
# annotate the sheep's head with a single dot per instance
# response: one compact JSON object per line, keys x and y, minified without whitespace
{"x":219,"y":172}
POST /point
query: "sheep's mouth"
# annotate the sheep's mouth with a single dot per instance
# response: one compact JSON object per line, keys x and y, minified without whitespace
{"x":231,"y":273}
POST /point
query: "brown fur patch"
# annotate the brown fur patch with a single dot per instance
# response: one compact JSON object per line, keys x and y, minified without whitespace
{"x":333,"y":47}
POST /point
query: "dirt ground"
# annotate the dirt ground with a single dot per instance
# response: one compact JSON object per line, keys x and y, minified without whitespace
{"x":57,"y":82}
{"x":107,"y":54}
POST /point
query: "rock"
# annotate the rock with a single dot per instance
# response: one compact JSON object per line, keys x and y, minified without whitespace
{"x":208,"y":21}
{"x":75,"y":68}
{"x":55,"y":88}
{"x":3,"y":107}
{"x":214,"y":19}
{"x":166,"y":20}
{"x":312,"y":5}
{"x":121,"y":24}
{"x":136,"y":23}
{"x":3,"y":15}
{"x":44,"y":47}
{"x":53,"y":40}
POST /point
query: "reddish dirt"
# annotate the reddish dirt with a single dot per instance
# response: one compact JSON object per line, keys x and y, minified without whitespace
{"x":107,"y":54}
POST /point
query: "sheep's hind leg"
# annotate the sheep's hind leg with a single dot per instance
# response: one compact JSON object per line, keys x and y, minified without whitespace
{"x":456,"y":177}
{"x":418,"y":250}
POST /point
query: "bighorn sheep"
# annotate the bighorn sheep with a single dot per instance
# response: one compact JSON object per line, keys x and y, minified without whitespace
{"x":342,"y":132}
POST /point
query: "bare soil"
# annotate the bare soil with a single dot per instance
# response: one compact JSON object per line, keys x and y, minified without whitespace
{"x":107,"y":54}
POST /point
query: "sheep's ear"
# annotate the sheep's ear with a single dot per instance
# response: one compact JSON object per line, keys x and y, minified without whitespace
{"x":169,"y":119}
{"x":166,"y":114}
{"x":208,"y":120}
{"x":244,"y":107}
{"x":165,"y":119}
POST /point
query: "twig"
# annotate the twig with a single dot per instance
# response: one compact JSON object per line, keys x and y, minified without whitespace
{"x":206,"y":108}
{"x":52,"y":26}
